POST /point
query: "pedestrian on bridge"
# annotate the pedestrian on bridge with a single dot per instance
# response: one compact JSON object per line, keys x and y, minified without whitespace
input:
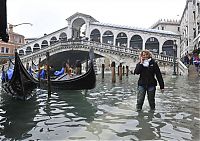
{"x":147,"y":68}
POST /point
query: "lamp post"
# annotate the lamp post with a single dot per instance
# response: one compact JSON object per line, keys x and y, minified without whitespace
{"x":174,"y":57}
{"x":11,"y":26}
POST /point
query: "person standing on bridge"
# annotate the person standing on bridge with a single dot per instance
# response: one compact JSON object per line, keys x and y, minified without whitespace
{"x":147,"y":68}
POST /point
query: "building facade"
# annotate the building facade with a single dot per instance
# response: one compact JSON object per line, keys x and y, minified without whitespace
{"x":188,"y":27}
{"x":7,"y":49}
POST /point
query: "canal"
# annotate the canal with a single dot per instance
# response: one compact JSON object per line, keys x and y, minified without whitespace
{"x":107,"y":112}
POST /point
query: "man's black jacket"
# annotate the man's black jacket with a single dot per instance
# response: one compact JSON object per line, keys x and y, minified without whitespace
{"x":147,"y":74}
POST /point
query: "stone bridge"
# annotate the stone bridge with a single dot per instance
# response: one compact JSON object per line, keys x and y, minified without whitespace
{"x":127,"y":56}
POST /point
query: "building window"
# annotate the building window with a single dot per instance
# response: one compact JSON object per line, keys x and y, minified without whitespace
{"x":158,"y":28}
{"x":194,"y":15}
{"x":163,"y":28}
{"x":2,"y":49}
{"x":7,"y":50}
{"x":194,"y":31}
{"x":178,"y":29}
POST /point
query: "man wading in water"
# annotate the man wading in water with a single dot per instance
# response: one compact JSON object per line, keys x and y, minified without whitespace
{"x":147,"y":68}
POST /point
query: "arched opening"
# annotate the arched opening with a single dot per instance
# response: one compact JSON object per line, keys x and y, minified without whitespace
{"x":53,"y":40}
{"x":44,"y":44}
{"x":21,"y":52}
{"x":28,"y":50}
{"x":78,"y":28}
{"x":108,"y":37}
{"x":63,"y":37}
{"x":121,"y":39}
{"x":167,"y":48}
{"x":136,"y":42}
{"x":152,"y":45}
{"x":95,"y":35}
{"x":36,"y":47}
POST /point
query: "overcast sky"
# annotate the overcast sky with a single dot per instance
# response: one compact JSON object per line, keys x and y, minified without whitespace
{"x":50,"y":15}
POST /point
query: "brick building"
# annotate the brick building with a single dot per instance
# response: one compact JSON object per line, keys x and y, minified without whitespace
{"x":7,"y":49}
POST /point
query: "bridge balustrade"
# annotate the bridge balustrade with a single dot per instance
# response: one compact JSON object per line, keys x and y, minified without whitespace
{"x":102,"y":47}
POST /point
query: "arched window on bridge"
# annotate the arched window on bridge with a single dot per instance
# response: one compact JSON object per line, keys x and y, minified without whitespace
{"x":78,"y":28}
{"x":152,"y":45}
{"x":44,"y":44}
{"x":28,"y":50}
{"x":108,"y":37}
{"x":136,"y":42}
{"x":36,"y":47}
{"x":21,"y":52}
{"x":167,"y":48}
{"x":95,"y":35}
{"x":53,"y":40}
{"x":63,"y":37}
{"x":121,"y":39}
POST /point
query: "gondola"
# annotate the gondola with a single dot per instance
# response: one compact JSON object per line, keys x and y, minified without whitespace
{"x":21,"y":84}
{"x":85,"y":81}
{"x":81,"y":82}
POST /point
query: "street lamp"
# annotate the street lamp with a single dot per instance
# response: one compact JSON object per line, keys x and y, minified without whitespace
{"x":174,"y":57}
{"x":11,"y":26}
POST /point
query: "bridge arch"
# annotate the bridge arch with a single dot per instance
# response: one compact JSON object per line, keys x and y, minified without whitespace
{"x":108,"y":37}
{"x":36,"y":47}
{"x":53,"y":40}
{"x":121,"y":39}
{"x":136,"y":42}
{"x":167,"y":48}
{"x":78,"y":26}
{"x":28,"y":50}
{"x":63,"y":37}
{"x":21,"y":52}
{"x":95,"y":35}
{"x":152,"y":44}
{"x":44,"y":44}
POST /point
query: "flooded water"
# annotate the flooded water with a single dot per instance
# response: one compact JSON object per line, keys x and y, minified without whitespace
{"x":107,"y":112}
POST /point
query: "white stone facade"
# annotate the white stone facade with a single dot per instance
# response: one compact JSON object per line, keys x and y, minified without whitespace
{"x":188,"y":27}
{"x":156,"y":40}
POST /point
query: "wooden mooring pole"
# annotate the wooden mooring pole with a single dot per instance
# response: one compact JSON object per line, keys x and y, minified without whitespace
{"x":123,"y":70}
{"x":48,"y":75}
{"x":102,"y":70}
{"x":127,"y":70}
{"x":120,"y":71}
{"x":39,"y":71}
{"x":113,"y":72}
{"x":86,"y":68}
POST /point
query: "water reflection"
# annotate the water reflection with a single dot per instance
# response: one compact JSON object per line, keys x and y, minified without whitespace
{"x":63,"y":114}
{"x":17,"y":117}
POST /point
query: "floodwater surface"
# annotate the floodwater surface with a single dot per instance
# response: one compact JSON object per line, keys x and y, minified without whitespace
{"x":107,"y":112}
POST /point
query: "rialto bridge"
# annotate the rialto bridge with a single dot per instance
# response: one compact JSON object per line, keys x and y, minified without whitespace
{"x":114,"y":42}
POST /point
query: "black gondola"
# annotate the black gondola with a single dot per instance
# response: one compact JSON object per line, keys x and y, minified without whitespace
{"x":85,"y":81}
{"x":81,"y":82}
{"x":22,"y":83}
